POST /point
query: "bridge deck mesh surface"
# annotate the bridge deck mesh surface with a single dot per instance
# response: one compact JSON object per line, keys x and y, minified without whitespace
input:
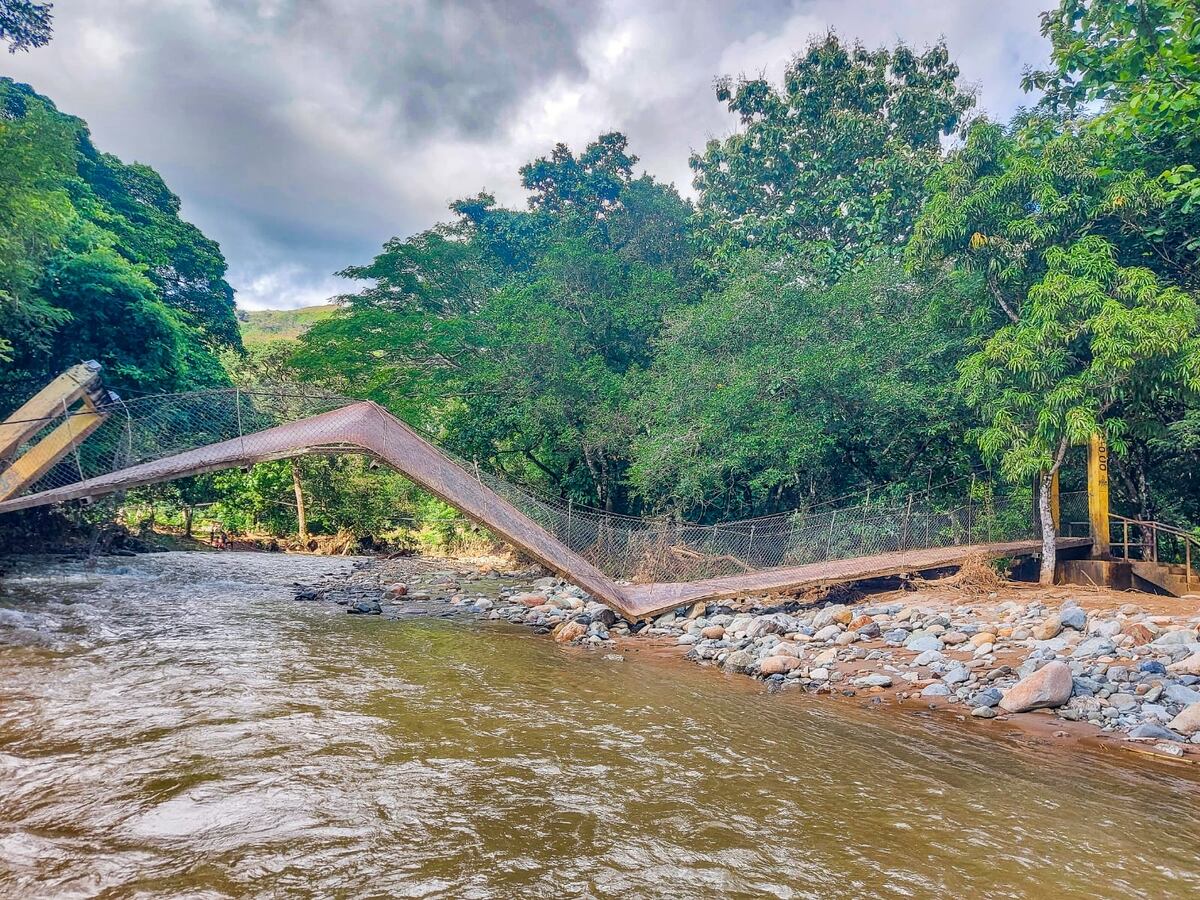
{"x":670,"y":563}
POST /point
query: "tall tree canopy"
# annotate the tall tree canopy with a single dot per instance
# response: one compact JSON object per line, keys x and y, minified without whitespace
{"x":830,"y":166}
{"x":96,"y":263}
{"x":1141,"y":61}
{"x":521,"y":334}
{"x":853,"y":303}
{"x":773,"y":392}
{"x":1076,"y":335}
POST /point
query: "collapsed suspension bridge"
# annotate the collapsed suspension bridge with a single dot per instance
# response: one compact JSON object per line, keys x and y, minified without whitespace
{"x":52,"y":451}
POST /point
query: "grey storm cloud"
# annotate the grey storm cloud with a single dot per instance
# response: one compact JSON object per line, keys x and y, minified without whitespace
{"x":458,"y":66}
{"x":301,"y":134}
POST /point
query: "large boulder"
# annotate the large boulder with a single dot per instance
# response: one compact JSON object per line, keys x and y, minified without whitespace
{"x":1051,"y":628}
{"x":834,"y":612}
{"x":1181,"y":694}
{"x":870,"y":631}
{"x":739,"y":661}
{"x":777,"y":623}
{"x":1149,"y":731}
{"x":922,"y":641}
{"x":1048,"y":687}
{"x":1188,"y":721}
{"x":1189,"y":665}
{"x":529,"y":599}
{"x":1096,"y":646}
{"x":828,"y":633}
{"x":1139,"y":631}
{"x":875,"y":679}
{"x":778,"y":665}
{"x":1072,"y":617}
{"x":1179,"y":637}
{"x":605,"y":617}
{"x":569,"y":632}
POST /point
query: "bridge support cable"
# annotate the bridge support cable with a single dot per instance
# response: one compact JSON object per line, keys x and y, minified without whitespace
{"x":639,"y":566}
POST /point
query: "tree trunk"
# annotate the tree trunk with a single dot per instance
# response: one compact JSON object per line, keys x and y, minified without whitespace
{"x":187,"y":521}
{"x":1049,"y":537}
{"x":1148,"y":513}
{"x":301,"y":517}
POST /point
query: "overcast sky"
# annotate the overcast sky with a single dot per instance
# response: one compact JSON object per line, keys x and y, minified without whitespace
{"x":301,"y":134}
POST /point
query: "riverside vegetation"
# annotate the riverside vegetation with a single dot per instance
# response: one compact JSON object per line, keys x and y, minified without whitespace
{"x":874,"y":289}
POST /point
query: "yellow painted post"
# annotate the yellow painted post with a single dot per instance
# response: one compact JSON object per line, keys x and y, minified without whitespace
{"x":1055,"y":508}
{"x":46,"y":404}
{"x":1098,"y":494}
{"x":42,"y":456}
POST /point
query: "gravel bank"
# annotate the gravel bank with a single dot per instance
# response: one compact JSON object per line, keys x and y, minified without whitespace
{"x":1126,"y":665}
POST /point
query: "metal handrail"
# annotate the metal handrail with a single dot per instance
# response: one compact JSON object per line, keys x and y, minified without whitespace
{"x":1152,"y":530}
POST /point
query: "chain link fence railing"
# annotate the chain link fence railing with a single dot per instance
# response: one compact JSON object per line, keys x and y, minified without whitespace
{"x":651,"y":549}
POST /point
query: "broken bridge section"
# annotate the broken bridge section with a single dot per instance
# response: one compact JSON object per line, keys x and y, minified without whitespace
{"x":160,"y":439}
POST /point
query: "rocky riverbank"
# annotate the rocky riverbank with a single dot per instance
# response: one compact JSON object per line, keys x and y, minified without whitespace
{"x":1122,"y":665}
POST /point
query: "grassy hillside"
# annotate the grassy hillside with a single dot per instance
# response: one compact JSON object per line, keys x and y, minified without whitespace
{"x":263,"y":325}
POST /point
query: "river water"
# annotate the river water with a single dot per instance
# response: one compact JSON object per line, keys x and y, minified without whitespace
{"x":176,"y":726}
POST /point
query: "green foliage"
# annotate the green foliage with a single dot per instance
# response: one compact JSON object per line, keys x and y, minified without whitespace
{"x":258,"y":499}
{"x":262,"y":326}
{"x":614,"y":344}
{"x":1074,"y":333}
{"x":831,"y":166}
{"x":115,"y":317}
{"x":1092,"y":334}
{"x":773,"y":392}
{"x":36,"y":212}
{"x":96,"y":263}
{"x":1141,"y":60}
{"x":187,"y":268}
{"x":520,"y":336}
{"x":25,"y":24}
{"x":591,"y":182}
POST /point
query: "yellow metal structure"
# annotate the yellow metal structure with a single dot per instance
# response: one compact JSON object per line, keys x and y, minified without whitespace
{"x":52,"y":400}
{"x":1097,"y":481}
{"x":81,"y":382}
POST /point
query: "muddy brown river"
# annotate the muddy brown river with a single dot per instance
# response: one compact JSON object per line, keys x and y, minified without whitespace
{"x":175,"y":725}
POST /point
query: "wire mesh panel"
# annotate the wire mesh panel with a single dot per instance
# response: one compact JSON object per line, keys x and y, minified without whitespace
{"x":646,"y":549}
{"x":649,"y":550}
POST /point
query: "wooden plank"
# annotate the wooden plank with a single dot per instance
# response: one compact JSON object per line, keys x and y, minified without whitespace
{"x":46,"y":404}
{"x":836,"y":571}
{"x":45,"y":454}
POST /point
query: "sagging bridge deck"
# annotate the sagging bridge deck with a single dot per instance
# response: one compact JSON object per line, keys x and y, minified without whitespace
{"x":365,"y":426}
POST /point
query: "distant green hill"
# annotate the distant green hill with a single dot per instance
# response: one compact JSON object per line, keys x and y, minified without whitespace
{"x":263,"y":325}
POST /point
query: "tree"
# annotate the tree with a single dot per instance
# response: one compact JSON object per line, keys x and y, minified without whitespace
{"x":1141,"y":61}
{"x":186,"y":266}
{"x":25,"y":24}
{"x":519,"y":335}
{"x":36,"y":162}
{"x":95,"y":262}
{"x":831,"y":166}
{"x":116,"y":318}
{"x":773,"y":392}
{"x":1073,"y":335}
{"x":588,"y":184}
